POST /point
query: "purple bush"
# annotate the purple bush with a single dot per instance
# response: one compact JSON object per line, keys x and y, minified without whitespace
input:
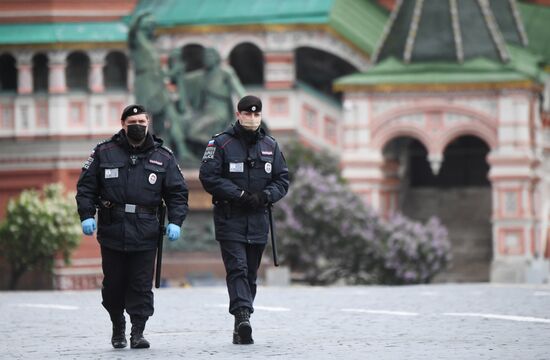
{"x":324,"y":230}
{"x":411,"y":252}
{"x":327,"y":233}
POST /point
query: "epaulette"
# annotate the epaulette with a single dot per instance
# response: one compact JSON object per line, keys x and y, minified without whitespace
{"x":218,"y":134}
{"x":104,"y":141}
{"x":271,"y":139}
{"x":167,"y":149}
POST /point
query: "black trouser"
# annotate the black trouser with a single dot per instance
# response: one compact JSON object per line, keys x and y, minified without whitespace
{"x":241,"y":262}
{"x":127,"y":283}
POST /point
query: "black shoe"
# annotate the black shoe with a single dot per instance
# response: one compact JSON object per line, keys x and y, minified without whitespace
{"x":137,"y":341}
{"x":242,"y":334}
{"x":118,"y":339}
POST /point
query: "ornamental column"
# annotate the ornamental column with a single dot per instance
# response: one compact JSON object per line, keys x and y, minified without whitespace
{"x":279,"y":70}
{"x":24,"y":72}
{"x":515,"y":177}
{"x":57,"y":79}
{"x":96,"y":79}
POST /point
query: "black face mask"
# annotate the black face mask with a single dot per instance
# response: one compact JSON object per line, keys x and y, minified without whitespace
{"x":136,"y":132}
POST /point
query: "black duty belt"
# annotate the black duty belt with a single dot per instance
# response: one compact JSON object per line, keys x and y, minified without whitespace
{"x":134,"y":209}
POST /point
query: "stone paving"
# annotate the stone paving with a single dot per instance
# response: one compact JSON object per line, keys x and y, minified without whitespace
{"x":470,"y":321}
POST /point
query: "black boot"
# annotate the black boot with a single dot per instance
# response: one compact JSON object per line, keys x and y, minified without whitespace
{"x":118,"y":339}
{"x":137,"y":341}
{"x":242,"y":333}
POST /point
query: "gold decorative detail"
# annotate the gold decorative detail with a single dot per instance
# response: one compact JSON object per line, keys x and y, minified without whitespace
{"x":435,"y":87}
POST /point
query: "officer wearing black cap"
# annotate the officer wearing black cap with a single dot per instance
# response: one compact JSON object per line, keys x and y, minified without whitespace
{"x":126,"y":178}
{"x":245,"y":171}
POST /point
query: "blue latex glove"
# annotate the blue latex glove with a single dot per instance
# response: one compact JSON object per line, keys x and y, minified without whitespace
{"x":88,"y":226}
{"x":173,"y":232}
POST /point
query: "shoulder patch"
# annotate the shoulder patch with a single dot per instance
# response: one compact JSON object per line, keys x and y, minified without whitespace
{"x":210,"y":150}
{"x":91,"y":158}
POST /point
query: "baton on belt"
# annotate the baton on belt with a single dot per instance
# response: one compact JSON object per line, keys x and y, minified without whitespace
{"x":162,"y":216}
{"x":272,"y":231}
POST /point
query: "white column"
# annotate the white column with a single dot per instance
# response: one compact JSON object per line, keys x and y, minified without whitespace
{"x":57,"y":79}
{"x":96,"y":80}
{"x":24,"y":72}
{"x":279,"y":71}
{"x":514,"y":176}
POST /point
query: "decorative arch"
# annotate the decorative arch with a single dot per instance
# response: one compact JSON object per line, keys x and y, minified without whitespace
{"x":248,"y":61}
{"x":323,"y":42}
{"x":385,"y":136}
{"x":478,"y":125}
{"x":8,"y":74}
{"x":230,"y":43}
{"x":192,"y":54}
{"x":384,"y":118}
{"x":77,"y":71}
{"x":489,"y":137}
{"x":182,"y":42}
{"x":115,"y":71}
{"x":319,"y":68}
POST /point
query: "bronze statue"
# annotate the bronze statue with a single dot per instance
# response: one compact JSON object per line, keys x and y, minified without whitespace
{"x":204,"y":106}
{"x":149,"y":87}
{"x":209,"y":92}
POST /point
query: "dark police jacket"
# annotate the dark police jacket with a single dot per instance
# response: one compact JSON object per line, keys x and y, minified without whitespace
{"x":111,"y":182}
{"x":230,"y":165}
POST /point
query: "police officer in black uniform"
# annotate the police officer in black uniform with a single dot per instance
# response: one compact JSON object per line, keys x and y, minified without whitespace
{"x":127,"y":178}
{"x":245,"y":171}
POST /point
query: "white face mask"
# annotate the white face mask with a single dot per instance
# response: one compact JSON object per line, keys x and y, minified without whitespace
{"x":250,"y":121}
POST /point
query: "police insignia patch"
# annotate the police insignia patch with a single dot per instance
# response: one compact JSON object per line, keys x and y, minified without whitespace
{"x":89,"y":161}
{"x":209,"y":152}
{"x":152,"y":178}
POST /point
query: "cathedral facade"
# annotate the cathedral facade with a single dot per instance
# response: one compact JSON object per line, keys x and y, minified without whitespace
{"x":466,"y":139}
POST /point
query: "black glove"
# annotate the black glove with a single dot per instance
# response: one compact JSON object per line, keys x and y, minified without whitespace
{"x":253,"y":201}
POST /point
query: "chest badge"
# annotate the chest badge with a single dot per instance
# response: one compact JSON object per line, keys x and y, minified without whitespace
{"x":152,"y":179}
{"x":111,"y":173}
{"x":236,"y":167}
{"x":268,"y":168}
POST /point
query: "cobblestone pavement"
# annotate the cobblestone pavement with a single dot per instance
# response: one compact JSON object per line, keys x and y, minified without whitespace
{"x":472,"y":321}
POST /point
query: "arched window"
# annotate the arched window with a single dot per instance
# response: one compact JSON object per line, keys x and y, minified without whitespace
{"x":192,"y":54}
{"x":115,"y":71}
{"x":412,"y":157}
{"x":465,"y":163}
{"x":8,"y":73}
{"x":40,"y":73}
{"x":319,"y":68}
{"x":78,"y":68}
{"x":248,"y":61}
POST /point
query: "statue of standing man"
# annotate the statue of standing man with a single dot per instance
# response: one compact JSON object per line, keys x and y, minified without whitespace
{"x":205,"y":103}
{"x":149,"y":85}
{"x":209,"y":93}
